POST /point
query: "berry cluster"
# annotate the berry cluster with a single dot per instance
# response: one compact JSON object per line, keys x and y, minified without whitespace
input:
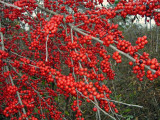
{"x":75,"y":106}
{"x":51,"y":26}
{"x":117,"y":57}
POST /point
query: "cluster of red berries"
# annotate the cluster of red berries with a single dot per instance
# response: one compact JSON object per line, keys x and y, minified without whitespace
{"x":3,"y":54}
{"x":2,"y":30}
{"x":51,"y":26}
{"x":76,"y":56}
{"x":11,"y":109}
{"x":75,"y":107}
{"x":106,"y":68}
{"x":141,"y":41}
{"x":12,"y":90}
{"x":22,"y":3}
{"x":117,"y":57}
{"x":80,"y":17}
{"x":108,"y":40}
{"x":124,"y":45}
{"x":72,"y":45}
{"x":69,"y":19}
{"x":85,"y":40}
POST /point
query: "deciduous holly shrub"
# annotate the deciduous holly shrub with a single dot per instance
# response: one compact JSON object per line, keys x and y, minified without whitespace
{"x":64,"y":55}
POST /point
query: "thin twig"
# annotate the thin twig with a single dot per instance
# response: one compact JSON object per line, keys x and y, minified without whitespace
{"x":47,"y":49}
{"x":98,"y":111}
{"x":157,"y":28}
{"x":131,"y":105}
{"x":97,"y":106}
{"x":2,"y":41}
{"x":48,"y":11}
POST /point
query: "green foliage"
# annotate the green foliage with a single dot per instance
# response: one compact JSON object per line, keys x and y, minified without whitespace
{"x":116,"y":2}
{"x":66,"y":112}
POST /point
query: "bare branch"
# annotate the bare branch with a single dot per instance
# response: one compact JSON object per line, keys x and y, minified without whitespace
{"x":131,"y":105}
{"x":48,"y":11}
{"x":46,"y":49}
{"x":2,"y":41}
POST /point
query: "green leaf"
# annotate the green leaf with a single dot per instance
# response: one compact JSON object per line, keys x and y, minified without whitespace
{"x":118,"y":97}
{"x":127,"y":110}
{"x":74,"y":98}
{"x":47,"y":111}
{"x":66,"y":112}
{"x":116,"y":2}
{"x":43,"y":82}
{"x":85,"y":45}
{"x":56,"y":98}
{"x":36,"y":110}
{"x":130,"y":117}
{"x":33,"y":77}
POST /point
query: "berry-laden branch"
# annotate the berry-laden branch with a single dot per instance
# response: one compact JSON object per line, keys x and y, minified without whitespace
{"x":37,"y":92}
{"x":64,"y":54}
{"x":13,"y":85}
{"x":111,"y":46}
{"x":24,"y":116}
{"x":10,"y":5}
{"x":102,"y":42}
